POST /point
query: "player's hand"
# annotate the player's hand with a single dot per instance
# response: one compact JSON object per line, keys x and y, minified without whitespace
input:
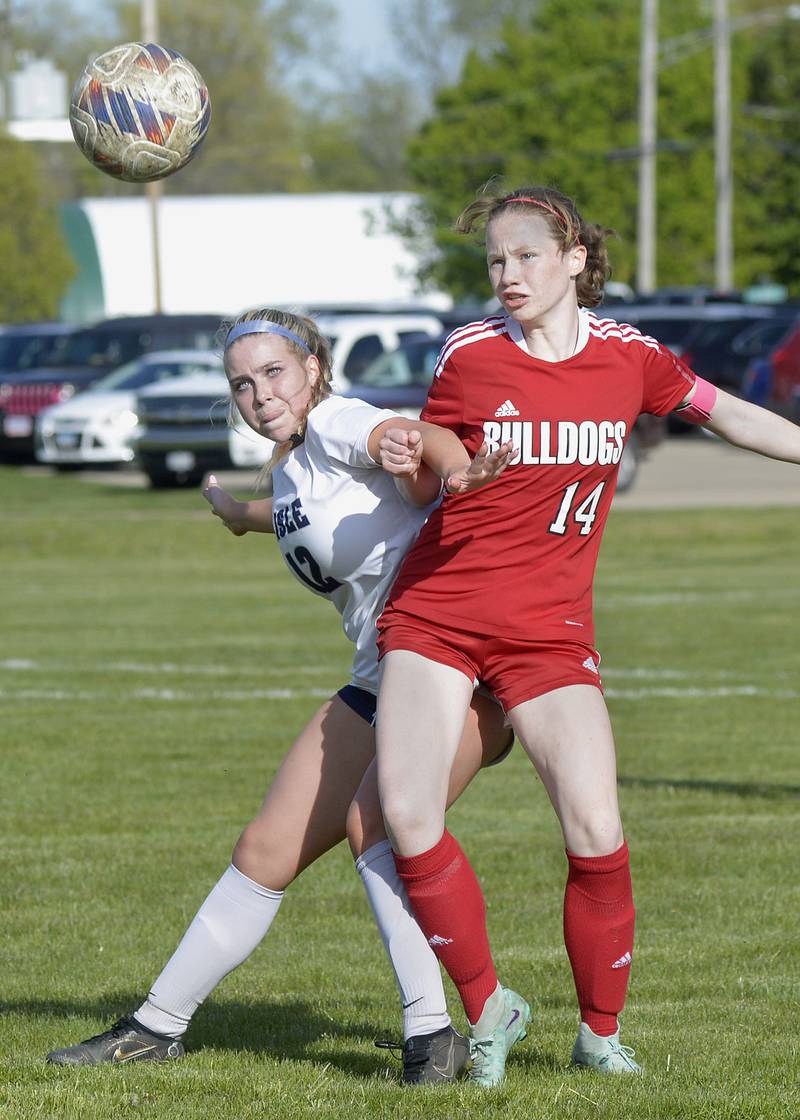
{"x":224,"y":506}
{"x":484,"y":468}
{"x":401,"y":451}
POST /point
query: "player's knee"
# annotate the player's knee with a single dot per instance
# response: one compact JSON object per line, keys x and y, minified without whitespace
{"x":257,"y":853}
{"x":409,"y":821}
{"x":365,"y":825}
{"x":599,"y":834}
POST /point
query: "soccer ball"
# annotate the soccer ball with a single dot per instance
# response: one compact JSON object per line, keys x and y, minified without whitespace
{"x":139,"y":112}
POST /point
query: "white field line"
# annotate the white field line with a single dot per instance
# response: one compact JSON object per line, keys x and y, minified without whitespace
{"x":169,"y":694}
{"x":736,"y":688}
{"x":26,"y":665}
{"x":692,"y":598}
{"x":21,"y":664}
{"x":701,"y":693}
{"x":204,"y":696}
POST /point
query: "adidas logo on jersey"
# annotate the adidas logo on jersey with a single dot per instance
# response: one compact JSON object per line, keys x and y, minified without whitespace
{"x":589,"y":664}
{"x":623,"y":961}
{"x":507,"y":409}
{"x":437,"y":940}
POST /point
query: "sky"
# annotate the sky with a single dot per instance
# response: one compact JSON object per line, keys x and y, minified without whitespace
{"x":364,"y":26}
{"x":364,"y":32}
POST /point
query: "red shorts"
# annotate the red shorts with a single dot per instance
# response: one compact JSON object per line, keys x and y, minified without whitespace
{"x":513,"y":669}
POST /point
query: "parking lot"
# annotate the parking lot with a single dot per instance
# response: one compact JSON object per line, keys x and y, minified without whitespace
{"x":690,"y":473}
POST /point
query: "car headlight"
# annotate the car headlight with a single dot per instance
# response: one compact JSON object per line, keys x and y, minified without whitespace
{"x":66,"y":391}
{"x":126,"y":419}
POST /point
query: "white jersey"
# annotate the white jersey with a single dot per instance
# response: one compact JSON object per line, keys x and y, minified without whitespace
{"x":341,"y":524}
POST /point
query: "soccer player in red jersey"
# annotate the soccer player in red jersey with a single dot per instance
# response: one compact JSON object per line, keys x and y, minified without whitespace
{"x":498,"y":588}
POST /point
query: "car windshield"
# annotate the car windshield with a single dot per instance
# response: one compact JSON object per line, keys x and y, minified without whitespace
{"x":716,"y":334}
{"x":761,"y":337}
{"x":136,"y":374}
{"x":98,"y":348}
{"x":25,"y":351}
{"x":412,"y":364}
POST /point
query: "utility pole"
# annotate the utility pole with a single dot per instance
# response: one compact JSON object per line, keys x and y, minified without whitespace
{"x":6,"y":61}
{"x":723,"y":172}
{"x":153,"y":190}
{"x":648,"y":98}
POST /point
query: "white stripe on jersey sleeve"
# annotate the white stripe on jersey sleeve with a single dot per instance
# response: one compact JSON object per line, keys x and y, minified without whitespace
{"x":471,"y":332}
{"x":610,"y":328}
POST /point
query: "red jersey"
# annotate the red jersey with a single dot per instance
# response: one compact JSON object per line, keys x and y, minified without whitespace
{"x":517,"y":558}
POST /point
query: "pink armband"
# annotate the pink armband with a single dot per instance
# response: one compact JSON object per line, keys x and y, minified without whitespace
{"x":699,"y":408}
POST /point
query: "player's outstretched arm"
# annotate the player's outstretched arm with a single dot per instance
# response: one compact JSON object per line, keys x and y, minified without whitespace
{"x":405,"y":448}
{"x":756,"y":429}
{"x":238,"y":517}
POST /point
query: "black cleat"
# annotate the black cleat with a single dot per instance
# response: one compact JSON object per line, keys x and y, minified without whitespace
{"x":429,"y":1059}
{"x":126,"y":1041}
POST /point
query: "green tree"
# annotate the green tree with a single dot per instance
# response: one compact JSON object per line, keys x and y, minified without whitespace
{"x":36,"y":263}
{"x":767,"y":158}
{"x":557,"y":103}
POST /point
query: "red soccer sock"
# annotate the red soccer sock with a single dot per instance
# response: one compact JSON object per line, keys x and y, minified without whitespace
{"x":598,"y":932}
{"x":448,"y":905}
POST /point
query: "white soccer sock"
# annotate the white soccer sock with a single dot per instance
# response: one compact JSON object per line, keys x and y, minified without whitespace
{"x":415,"y":966}
{"x":224,"y":932}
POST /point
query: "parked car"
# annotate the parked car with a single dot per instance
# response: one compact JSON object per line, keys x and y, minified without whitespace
{"x":719,"y":341}
{"x":356,"y":340}
{"x":27,"y":345}
{"x":773,"y":379}
{"x":184,"y":430}
{"x":399,"y":380}
{"x":80,"y":359}
{"x":96,"y":426}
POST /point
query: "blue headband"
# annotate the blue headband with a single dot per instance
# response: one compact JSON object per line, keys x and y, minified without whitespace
{"x":263,"y":326}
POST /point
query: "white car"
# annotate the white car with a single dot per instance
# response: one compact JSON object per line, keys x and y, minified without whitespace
{"x":357,"y":340}
{"x":96,"y":426}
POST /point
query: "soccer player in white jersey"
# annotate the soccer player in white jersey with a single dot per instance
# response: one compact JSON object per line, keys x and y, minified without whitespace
{"x":512,"y":602}
{"x":343,"y":525}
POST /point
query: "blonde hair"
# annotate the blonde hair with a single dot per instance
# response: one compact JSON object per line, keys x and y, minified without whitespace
{"x":567,"y":227}
{"x":312,"y":342}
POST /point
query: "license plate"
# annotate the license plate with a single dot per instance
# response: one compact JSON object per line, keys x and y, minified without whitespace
{"x":17,"y":427}
{"x":180,"y":460}
{"x":66,"y":440}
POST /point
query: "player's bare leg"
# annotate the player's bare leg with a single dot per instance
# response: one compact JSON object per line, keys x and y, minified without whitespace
{"x":567,"y":735}
{"x":486,"y":738}
{"x":304,"y":812}
{"x":417,"y":744}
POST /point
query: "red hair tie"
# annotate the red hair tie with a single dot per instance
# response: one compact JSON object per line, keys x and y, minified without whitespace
{"x":545,"y":206}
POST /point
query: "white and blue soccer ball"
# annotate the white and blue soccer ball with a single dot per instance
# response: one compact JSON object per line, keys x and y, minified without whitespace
{"x":140,"y":112}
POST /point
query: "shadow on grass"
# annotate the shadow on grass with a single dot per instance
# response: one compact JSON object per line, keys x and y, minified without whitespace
{"x":290,"y":1030}
{"x":768,"y":790}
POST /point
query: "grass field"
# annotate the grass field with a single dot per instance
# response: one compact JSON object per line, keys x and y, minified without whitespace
{"x":154,"y":669}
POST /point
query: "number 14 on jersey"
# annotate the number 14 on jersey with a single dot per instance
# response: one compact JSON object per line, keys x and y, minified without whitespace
{"x":583,"y":514}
